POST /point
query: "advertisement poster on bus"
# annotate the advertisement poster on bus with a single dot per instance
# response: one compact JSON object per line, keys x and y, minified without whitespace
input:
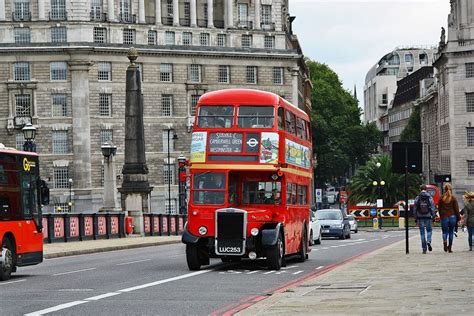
{"x":296,"y":154}
{"x":269,"y":148}
{"x":198,"y":147}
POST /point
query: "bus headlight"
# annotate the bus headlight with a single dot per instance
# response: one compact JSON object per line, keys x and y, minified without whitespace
{"x":254,"y":231}
{"x":202,"y":230}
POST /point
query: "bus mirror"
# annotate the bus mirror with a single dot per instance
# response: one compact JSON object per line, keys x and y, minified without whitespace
{"x":44,"y":193}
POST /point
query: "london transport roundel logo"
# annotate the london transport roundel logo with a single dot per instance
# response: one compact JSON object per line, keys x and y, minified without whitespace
{"x":252,"y":142}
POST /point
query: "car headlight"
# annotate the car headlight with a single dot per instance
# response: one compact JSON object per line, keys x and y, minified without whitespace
{"x":202,"y":230}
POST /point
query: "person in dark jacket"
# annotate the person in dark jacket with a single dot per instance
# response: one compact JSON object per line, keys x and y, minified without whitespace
{"x":469,"y":216}
{"x":424,"y":212}
{"x":449,"y":213}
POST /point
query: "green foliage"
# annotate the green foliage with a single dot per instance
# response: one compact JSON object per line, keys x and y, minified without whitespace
{"x":412,"y":132}
{"x":362,"y":189}
{"x":340,"y":140}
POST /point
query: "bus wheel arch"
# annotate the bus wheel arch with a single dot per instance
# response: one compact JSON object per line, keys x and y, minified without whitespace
{"x":276,"y":253}
{"x":8,"y":260}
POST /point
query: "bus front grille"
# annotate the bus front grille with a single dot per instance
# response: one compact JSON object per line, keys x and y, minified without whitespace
{"x":231,"y":226}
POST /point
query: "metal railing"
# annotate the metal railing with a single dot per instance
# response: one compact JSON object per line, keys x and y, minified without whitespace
{"x":202,"y":23}
{"x":185,"y":22}
{"x":127,"y":18}
{"x":167,"y":20}
{"x":98,"y":16}
{"x":219,"y":24}
{"x":245,"y":25}
{"x":59,"y":15}
{"x":150,"y":20}
{"x":21,"y":16}
{"x":267,"y":26}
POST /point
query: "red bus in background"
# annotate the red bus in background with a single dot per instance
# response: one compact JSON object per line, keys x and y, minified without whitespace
{"x":21,"y":194}
{"x":251,"y":176}
{"x":435,"y":193}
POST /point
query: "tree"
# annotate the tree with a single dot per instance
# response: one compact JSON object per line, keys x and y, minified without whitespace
{"x":362,"y":188}
{"x":412,"y":132}
{"x":337,"y":128}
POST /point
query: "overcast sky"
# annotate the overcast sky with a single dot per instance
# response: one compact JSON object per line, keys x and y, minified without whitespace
{"x":351,"y":36}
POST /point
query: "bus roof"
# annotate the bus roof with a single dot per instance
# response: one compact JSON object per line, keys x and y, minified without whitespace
{"x":9,"y":150}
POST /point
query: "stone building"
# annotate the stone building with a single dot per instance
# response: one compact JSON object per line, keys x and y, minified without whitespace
{"x":63,"y":64}
{"x":454,"y":63}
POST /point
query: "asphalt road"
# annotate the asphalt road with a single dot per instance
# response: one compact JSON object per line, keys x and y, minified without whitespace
{"x":156,"y":281}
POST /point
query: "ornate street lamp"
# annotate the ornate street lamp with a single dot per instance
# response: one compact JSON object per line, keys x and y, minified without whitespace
{"x":29,"y":133}
{"x":69,"y":204}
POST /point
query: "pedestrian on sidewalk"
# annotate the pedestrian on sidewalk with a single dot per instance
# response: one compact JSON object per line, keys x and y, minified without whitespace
{"x":424,"y":213}
{"x":469,"y":216}
{"x":449,"y":213}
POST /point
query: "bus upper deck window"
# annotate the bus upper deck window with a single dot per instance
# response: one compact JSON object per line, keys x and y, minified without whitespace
{"x":255,"y":117}
{"x":216,"y":116}
{"x":281,"y":119}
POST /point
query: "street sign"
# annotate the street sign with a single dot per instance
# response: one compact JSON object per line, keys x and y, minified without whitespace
{"x":319,"y":196}
{"x":379,"y":202}
{"x":373,"y":212}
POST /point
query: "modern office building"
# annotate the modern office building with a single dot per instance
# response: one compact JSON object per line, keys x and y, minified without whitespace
{"x":63,"y":64}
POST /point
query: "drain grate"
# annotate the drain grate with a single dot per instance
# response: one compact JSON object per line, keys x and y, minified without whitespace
{"x":327,"y":288}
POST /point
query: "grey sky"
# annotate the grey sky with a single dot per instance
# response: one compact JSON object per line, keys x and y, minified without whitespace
{"x":352,"y":35}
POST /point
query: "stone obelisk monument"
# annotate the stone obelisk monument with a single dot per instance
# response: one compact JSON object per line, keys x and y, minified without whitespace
{"x":135,"y":190}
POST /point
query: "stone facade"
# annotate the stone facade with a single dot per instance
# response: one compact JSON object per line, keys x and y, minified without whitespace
{"x":64,"y":66}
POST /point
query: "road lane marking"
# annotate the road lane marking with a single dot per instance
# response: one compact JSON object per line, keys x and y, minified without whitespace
{"x":252,"y":272}
{"x":289,"y":267}
{"x":319,"y":268}
{"x":365,"y":289}
{"x":269,"y":272}
{"x":298,"y":272}
{"x":131,"y":262}
{"x":76,"y":271}
{"x":10,"y":282}
{"x":102,"y":296}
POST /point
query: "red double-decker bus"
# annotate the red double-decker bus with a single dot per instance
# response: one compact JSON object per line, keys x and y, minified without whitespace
{"x":21,"y":194}
{"x":251,"y":174}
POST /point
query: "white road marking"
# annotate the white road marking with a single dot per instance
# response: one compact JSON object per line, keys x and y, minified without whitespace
{"x":10,"y":282}
{"x":252,"y":272}
{"x":75,"y":290}
{"x":365,"y":289}
{"x":269,"y":272}
{"x":319,"y":268}
{"x":297,"y":272}
{"x":131,"y":262}
{"x":76,"y":271}
{"x":289,"y":267}
{"x":102,"y":296}
{"x":281,"y":271}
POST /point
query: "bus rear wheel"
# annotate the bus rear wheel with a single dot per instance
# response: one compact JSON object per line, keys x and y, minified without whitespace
{"x":302,"y":256}
{"x":275,"y":255}
{"x":192,"y":257}
{"x":6,"y":265}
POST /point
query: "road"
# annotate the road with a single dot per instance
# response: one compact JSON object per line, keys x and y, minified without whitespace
{"x":156,"y":281}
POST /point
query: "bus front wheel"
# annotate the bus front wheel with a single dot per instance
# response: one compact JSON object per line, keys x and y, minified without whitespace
{"x":192,"y":257}
{"x":6,"y":262}
{"x":303,"y":244}
{"x":275,"y":255}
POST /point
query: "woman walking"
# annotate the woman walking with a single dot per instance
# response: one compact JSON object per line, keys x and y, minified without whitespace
{"x":449,"y":213}
{"x":469,"y":216}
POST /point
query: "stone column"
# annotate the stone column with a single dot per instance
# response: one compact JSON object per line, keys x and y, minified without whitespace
{"x":210,"y":13}
{"x":41,"y":10}
{"x":111,"y":10}
{"x":81,"y":132}
{"x":110,"y":186}
{"x":176,"y":12}
{"x":141,"y":11}
{"x":193,"y":14}
{"x":257,"y":15}
{"x":295,"y":75}
{"x":230,"y":14}
{"x":2,"y":10}
{"x":158,"y":12}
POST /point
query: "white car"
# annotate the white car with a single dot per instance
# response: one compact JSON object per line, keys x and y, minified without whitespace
{"x":314,"y":230}
{"x":353,"y":223}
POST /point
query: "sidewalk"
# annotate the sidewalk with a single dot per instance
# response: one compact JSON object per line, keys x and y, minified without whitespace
{"x":62,"y":249}
{"x":386,"y":281}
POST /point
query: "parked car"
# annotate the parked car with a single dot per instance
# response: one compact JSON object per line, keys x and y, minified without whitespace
{"x":353,"y":223}
{"x":334,"y":223}
{"x":314,"y":230}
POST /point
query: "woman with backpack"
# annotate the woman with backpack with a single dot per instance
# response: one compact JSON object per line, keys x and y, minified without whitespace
{"x":469,"y":216}
{"x":449,"y":213}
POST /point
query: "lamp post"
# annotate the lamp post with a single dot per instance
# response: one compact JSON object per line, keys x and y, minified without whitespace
{"x":379,"y":185}
{"x":175,"y":137}
{"x":182,"y":184}
{"x":110,"y":191}
{"x":29,"y":133}
{"x":69,"y":204}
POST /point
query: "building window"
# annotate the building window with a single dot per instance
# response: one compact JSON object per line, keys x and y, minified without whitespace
{"x":246,"y":40}
{"x":58,"y":34}
{"x":243,"y":14}
{"x":19,"y":141}
{"x":124,"y":7}
{"x":470,"y":168}
{"x":409,"y":59}
{"x":168,"y":174}
{"x":21,"y":10}
{"x":61,"y":177}
{"x":129,"y":36}
{"x":221,"y":40}
{"x":100,"y":35}
{"x":205,"y":12}
{"x":58,"y":70}
{"x":104,"y":71}
{"x":266,"y":14}
{"x":166,"y":140}
{"x":278,"y":75}
{"x":170,"y":206}
{"x":384,"y":98}
{"x":269,"y":42}
{"x":166,"y":72}
{"x":23,"y":105}
{"x":194,"y":102}
{"x":105,"y":104}
{"x":169,"y":38}
{"x":469,"y":70}
{"x":204,"y":39}
{"x":96,"y":10}
{"x":251,"y":74}
{"x":187,"y":38}
{"x":166,"y":105}
{"x":470,"y":102}
{"x":21,"y":71}
{"x":106,"y":135}
{"x":58,"y":10}
{"x":22,"y":35}
{"x":60,"y":143}
{"x":470,"y":136}
{"x":195,"y":73}
{"x":423,"y":59}
{"x":151,"y":37}
{"x":187,"y":14}
{"x":60,"y":107}
{"x":223,"y":75}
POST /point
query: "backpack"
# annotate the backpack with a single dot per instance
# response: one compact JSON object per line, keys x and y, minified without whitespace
{"x":424,"y":205}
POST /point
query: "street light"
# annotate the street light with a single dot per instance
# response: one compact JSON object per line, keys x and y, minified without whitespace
{"x":379,"y":186}
{"x":69,"y":204}
{"x":175,"y":137}
{"x":182,"y":184}
{"x":29,"y":133}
